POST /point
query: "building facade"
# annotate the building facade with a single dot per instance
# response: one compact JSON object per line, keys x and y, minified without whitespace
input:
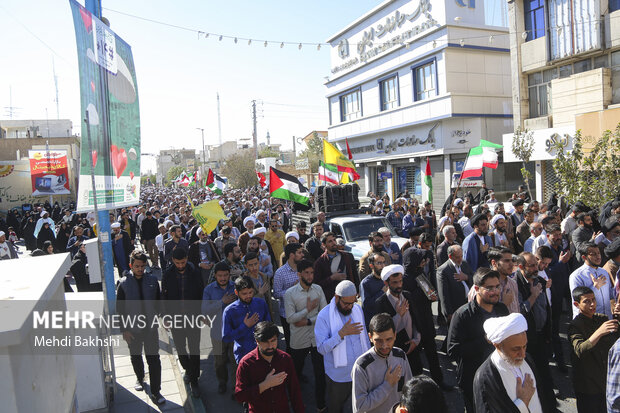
{"x":565,"y":59}
{"x":36,"y":128}
{"x":413,"y":79}
{"x":169,"y":158}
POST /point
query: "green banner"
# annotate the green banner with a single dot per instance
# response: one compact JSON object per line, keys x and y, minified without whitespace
{"x":109,"y":94}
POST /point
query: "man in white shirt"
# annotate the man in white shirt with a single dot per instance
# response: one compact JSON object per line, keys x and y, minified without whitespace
{"x":302,"y":303}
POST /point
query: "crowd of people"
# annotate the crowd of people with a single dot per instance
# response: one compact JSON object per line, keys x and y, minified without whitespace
{"x":503,"y":274}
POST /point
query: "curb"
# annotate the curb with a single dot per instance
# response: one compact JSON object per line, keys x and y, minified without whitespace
{"x":190,"y":404}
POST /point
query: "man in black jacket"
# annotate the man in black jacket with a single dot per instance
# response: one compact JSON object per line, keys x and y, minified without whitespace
{"x":397,"y":303}
{"x":181,"y":289}
{"x":535,"y":308}
{"x":454,"y":279}
{"x":138,"y":295}
{"x":122,"y":246}
{"x":148,"y":232}
{"x":416,"y":264}
{"x":203,"y":255}
{"x":467,"y":344}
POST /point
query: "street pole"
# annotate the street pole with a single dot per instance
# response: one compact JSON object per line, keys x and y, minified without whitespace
{"x":202,"y":170}
{"x":254,"y":133}
{"x":294,"y":149}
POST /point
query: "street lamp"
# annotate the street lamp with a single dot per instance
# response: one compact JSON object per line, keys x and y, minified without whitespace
{"x":202,"y":170}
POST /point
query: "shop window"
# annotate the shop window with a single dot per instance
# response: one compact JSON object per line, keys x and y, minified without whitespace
{"x":408,"y":178}
{"x":425,"y":80}
{"x":351,"y":105}
{"x":389,"y":93}
{"x":534,"y":18}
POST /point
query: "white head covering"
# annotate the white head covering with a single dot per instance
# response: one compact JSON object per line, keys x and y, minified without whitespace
{"x":2,"y":234}
{"x":496,"y":218}
{"x":199,"y":231}
{"x":260,"y":230}
{"x":457,"y":201}
{"x":260,"y":211}
{"x":292,"y":234}
{"x":499,"y":329}
{"x":390,"y":270}
{"x":115,"y":225}
{"x":248,"y":219}
{"x":166,"y":222}
{"x":346,"y":289}
{"x":222,"y":202}
{"x":44,"y":212}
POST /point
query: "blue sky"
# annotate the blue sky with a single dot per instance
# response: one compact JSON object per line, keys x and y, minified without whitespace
{"x":178,"y":73}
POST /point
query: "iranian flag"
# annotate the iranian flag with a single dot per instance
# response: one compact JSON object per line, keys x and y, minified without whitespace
{"x":285,"y":186}
{"x":215,"y":183}
{"x":428,"y":182}
{"x":262,"y":180}
{"x":480,"y":157}
{"x":328,"y":173}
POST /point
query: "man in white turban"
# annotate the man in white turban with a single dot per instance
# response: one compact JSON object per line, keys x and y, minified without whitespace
{"x":506,"y":381}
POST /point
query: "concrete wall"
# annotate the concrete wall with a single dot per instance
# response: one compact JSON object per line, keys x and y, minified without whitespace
{"x":584,"y":92}
{"x":534,"y":54}
{"x":9,"y":147}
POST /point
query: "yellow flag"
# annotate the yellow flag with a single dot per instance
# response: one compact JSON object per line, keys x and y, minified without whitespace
{"x":345,"y":178}
{"x":208,"y":215}
{"x":332,"y":155}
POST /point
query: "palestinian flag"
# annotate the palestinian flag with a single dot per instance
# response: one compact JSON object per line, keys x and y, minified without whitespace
{"x":328,"y":173}
{"x":428,"y":182}
{"x":193,"y":179}
{"x":215,"y":183}
{"x":479,"y":157}
{"x":285,"y":186}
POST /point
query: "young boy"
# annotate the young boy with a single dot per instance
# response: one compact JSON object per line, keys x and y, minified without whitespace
{"x":591,"y":336}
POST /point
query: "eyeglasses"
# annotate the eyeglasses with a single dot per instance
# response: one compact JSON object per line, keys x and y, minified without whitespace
{"x":492,"y":288}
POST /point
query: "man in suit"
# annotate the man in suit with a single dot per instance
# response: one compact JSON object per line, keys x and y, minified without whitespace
{"x":342,"y":261}
{"x":476,"y":245}
{"x":454,"y":279}
{"x":449,"y":233}
{"x":523,"y":231}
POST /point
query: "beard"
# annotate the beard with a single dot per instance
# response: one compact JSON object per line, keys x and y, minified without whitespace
{"x":377,"y":249}
{"x":483,"y":233}
{"x":306,"y":282}
{"x":500,"y":230}
{"x":269,"y":352}
{"x":344,"y":311}
{"x":396,"y":291}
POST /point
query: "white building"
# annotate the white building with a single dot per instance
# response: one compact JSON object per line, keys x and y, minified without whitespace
{"x":417,"y":79}
{"x":36,"y":128}
{"x":565,"y":59}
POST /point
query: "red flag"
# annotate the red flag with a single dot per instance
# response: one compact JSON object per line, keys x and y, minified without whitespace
{"x":261,"y":179}
{"x":210,"y":178}
{"x":348,"y":149}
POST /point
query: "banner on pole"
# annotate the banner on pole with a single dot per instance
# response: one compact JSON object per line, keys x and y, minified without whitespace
{"x":49,"y":172}
{"x":108,"y":91}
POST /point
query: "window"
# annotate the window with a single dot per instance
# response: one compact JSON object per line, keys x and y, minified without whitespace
{"x":615,"y":77}
{"x":389,"y":92}
{"x":614,"y":5}
{"x":351,"y":106}
{"x":425,"y":80}
{"x":576,"y":28}
{"x":581,"y":66}
{"x":534,"y":18}
{"x":539,"y":89}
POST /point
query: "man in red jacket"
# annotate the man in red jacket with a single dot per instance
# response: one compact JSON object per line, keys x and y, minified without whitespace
{"x":266,"y":374}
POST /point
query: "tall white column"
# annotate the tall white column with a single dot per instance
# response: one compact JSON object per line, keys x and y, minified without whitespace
{"x":366,"y":179}
{"x":390,"y":182}
{"x":447,"y":179}
{"x":538,"y":174}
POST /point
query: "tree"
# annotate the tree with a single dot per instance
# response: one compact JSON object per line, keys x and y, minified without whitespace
{"x":240,"y":169}
{"x":173,"y":172}
{"x":522,"y":148}
{"x":144,"y":178}
{"x":313,"y":151}
{"x":267,"y":152}
{"x":593,"y":178}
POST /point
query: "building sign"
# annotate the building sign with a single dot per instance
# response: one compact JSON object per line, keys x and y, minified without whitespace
{"x":467,"y":182}
{"x":49,"y":172}
{"x":544,"y":141}
{"x":394,"y":31}
{"x":301,"y":164}
{"x":385,"y":175}
{"x":386,"y":146}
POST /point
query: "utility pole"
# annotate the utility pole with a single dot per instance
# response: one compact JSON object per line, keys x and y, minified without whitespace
{"x":294,"y":149}
{"x":254,"y":136}
{"x":202,"y":170}
{"x":56,"y":86}
{"x":219,"y":128}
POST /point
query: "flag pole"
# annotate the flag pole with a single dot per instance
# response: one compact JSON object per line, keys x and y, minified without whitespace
{"x":458,"y":185}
